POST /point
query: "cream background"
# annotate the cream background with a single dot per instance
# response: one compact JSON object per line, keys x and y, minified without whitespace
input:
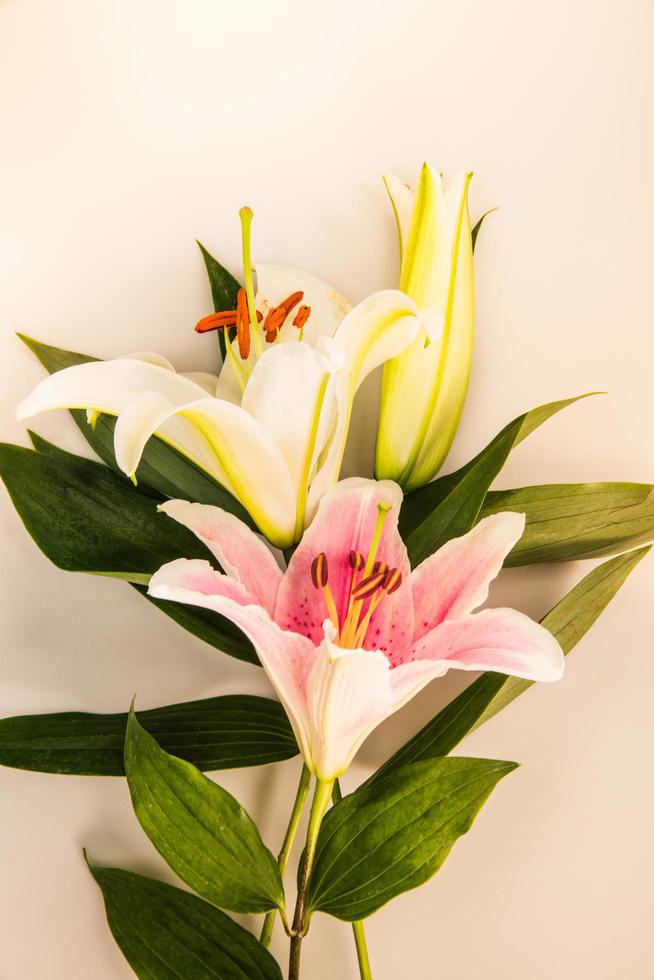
{"x":130,"y":128}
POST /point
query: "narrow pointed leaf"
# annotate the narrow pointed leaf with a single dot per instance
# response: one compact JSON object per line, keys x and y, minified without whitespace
{"x":572,"y":617}
{"x":165,"y":933}
{"x":216,"y":733}
{"x":477,"y":228}
{"x":449,"y":507}
{"x":577,"y":520}
{"x":392,"y":835}
{"x":568,"y":621}
{"x":203,"y":833}
{"x":161,"y":469}
{"x":224,"y":289}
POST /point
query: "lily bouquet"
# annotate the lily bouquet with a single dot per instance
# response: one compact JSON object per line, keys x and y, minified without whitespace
{"x":218,"y":498}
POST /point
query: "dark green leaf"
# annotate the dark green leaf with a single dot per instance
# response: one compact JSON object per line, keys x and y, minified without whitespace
{"x":217,"y":733}
{"x":206,"y":837}
{"x":392,"y":835}
{"x":477,"y":228}
{"x":449,"y":506}
{"x":577,"y":520}
{"x":167,"y":934}
{"x":85,"y":519}
{"x":224,"y":289}
{"x":162,"y":468}
{"x":568,"y":621}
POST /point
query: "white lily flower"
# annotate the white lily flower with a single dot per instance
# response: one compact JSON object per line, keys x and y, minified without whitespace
{"x":272,"y":428}
{"x":423,"y":390}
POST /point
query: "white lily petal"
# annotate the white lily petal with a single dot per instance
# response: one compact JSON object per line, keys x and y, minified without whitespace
{"x":287,"y":394}
{"x":205,"y":379}
{"x":348,"y":694}
{"x":144,"y":415}
{"x":253,"y":463}
{"x":150,"y":357}
{"x":275,"y":283}
{"x":377,"y":329}
{"x":106,"y":386}
{"x":402,"y":201}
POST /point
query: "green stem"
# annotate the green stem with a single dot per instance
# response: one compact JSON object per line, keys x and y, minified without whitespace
{"x":357,"y":927}
{"x":321,"y":798}
{"x":291,"y":831}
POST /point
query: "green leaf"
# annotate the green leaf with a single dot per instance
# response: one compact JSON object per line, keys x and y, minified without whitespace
{"x":477,"y":228}
{"x":224,"y":289}
{"x":216,"y":733}
{"x":577,"y":520}
{"x":568,"y":621}
{"x":392,"y":835}
{"x":449,"y":506}
{"x":572,"y":617}
{"x":85,"y":519}
{"x":206,"y":837}
{"x":162,"y":468}
{"x":166,"y":933}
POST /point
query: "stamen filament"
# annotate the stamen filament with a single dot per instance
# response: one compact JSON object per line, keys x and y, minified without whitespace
{"x":234,"y":364}
{"x":246,"y":216}
{"x":331,"y":606}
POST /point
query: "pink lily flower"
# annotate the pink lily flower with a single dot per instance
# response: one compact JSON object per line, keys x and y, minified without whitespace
{"x":348,"y":634}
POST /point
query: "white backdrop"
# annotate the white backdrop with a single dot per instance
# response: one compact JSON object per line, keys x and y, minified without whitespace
{"x":131,"y":128}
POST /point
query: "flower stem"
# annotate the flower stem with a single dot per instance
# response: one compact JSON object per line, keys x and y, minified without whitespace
{"x":321,"y":798}
{"x":357,"y":927}
{"x":282,"y":860}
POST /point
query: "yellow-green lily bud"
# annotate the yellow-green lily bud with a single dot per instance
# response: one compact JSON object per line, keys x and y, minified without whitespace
{"x":424,"y":388}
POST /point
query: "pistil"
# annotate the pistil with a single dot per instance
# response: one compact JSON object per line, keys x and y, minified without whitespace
{"x":246,"y":216}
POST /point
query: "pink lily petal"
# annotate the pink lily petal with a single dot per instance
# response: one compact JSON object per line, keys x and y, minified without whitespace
{"x":348,"y":693}
{"x":346,"y":521}
{"x":287,"y":658}
{"x":503,"y":640}
{"x":241,"y":553}
{"x":455,"y":579}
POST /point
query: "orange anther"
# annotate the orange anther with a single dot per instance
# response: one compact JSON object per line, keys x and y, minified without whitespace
{"x":277,"y":315}
{"x":356,"y":560}
{"x":302,"y":316}
{"x":216,"y":321}
{"x":243,"y":325}
{"x":368,"y":586}
{"x":319,"y":571}
{"x":392,"y":580}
